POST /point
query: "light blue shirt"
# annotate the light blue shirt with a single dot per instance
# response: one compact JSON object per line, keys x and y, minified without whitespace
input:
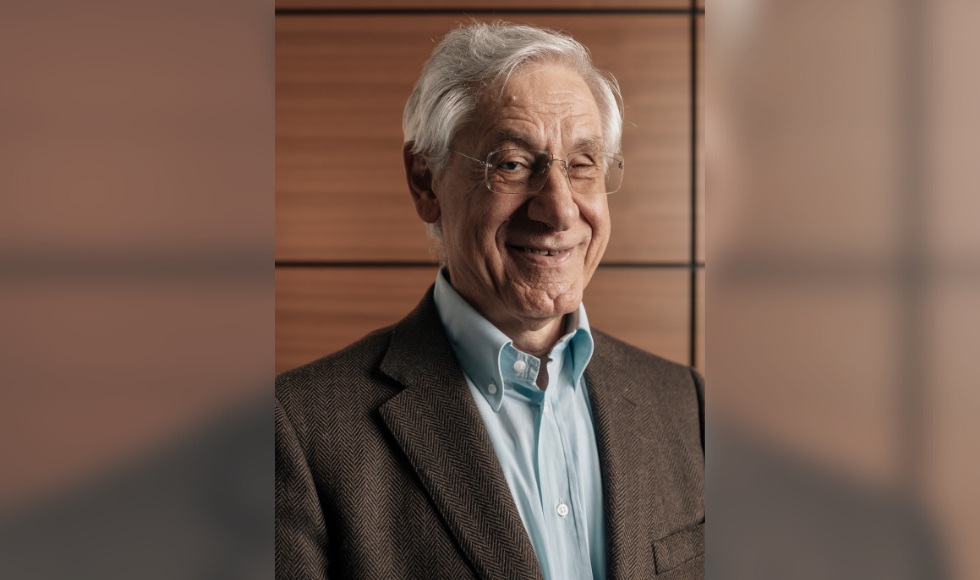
{"x":544,"y":439}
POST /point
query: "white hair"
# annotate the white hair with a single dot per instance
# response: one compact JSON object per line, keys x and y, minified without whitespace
{"x":474,"y":58}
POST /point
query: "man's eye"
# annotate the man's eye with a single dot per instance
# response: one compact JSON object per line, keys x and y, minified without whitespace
{"x":512,"y":165}
{"x":581,"y":161}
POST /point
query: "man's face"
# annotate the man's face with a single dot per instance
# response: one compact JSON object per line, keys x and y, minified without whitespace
{"x":488,"y":235}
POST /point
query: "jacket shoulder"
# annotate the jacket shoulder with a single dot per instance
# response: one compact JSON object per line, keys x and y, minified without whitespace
{"x":342,"y":381}
{"x":661,"y":382}
{"x":636,"y":360}
{"x":365,"y":350}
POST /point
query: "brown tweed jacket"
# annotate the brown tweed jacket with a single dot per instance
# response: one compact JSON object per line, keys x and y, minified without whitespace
{"x":384,"y":468}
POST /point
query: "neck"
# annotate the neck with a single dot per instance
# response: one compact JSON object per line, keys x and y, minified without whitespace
{"x":535,"y":341}
{"x":535,"y":337}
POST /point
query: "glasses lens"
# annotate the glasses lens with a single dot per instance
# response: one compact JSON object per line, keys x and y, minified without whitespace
{"x":587,"y":172}
{"x":516,"y":170}
{"x":522,"y":171}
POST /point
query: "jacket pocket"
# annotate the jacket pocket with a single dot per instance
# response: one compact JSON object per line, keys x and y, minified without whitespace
{"x":678,"y":548}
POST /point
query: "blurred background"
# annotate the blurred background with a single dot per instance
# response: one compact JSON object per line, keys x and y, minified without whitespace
{"x":150,"y":153}
{"x":842,"y":299}
{"x":136,"y":289}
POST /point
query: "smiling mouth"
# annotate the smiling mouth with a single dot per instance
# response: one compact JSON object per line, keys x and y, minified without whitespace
{"x":544,"y":252}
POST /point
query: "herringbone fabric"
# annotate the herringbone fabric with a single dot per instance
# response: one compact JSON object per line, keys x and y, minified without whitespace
{"x":384,"y":469}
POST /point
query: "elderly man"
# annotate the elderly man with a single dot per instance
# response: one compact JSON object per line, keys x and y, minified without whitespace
{"x":492,"y":433}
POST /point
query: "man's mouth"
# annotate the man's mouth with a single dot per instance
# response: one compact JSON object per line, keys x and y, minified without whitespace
{"x":544,"y":252}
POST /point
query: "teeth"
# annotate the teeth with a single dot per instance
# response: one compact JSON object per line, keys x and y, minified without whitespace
{"x":543,"y":252}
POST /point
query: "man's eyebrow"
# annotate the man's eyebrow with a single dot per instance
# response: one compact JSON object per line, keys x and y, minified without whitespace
{"x":588,"y":144}
{"x":524,"y":141}
{"x":505,"y":136}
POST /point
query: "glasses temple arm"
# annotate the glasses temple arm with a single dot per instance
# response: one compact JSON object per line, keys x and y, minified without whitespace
{"x":467,"y":156}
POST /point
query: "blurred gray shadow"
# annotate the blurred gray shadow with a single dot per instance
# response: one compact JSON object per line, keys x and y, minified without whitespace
{"x":201,"y":508}
{"x":774,"y":516}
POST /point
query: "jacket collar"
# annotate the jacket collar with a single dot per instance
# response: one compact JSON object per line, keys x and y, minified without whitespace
{"x":616,"y":423}
{"x":438,"y":426}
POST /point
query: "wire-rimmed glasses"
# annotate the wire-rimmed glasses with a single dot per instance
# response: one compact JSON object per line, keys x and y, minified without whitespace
{"x":520,"y":171}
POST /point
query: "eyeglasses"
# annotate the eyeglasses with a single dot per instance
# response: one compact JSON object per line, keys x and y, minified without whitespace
{"x":523,"y":171}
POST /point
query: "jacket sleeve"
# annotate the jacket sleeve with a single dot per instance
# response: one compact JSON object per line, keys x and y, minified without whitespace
{"x":699,"y":386}
{"x":301,"y":534}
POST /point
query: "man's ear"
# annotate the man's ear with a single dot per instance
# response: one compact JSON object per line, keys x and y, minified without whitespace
{"x":420,"y":184}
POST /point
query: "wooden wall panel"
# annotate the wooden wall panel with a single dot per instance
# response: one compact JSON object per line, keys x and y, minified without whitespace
{"x":321,"y":310}
{"x":341,"y":84}
{"x":463,"y":5}
{"x":646,"y":307}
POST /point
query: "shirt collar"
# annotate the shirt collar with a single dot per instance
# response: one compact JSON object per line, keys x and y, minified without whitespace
{"x":481,"y":348}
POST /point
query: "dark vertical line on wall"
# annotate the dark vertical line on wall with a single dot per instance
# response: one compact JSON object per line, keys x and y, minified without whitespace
{"x":694,"y":182}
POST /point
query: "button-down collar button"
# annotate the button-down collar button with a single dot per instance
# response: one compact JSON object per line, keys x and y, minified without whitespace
{"x":562,"y":510}
{"x":520,"y":365}
{"x":492,"y":388}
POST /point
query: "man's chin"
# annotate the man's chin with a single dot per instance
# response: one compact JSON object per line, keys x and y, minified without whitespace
{"x":546,"y":308}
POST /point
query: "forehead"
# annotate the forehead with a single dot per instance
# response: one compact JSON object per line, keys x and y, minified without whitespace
{"x":543,"y":105}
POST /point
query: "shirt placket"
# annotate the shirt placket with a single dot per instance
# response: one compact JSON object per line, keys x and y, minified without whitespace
{"x":571,"y":465}
{"x":560,"y":501}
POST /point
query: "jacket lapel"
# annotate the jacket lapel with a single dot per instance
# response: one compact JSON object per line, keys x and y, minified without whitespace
{"x":620,"y":458}
{"x":441,"y":432}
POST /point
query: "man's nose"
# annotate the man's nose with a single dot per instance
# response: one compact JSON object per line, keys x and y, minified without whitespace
{"x":555,"y":204}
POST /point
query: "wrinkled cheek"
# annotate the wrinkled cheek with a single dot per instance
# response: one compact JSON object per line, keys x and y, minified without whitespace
{"x":599,"y":242}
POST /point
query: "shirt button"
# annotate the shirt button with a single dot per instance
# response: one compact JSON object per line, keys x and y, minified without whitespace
{"x":562,"y":510}
{"x":492,"y":388}
{"x":519,"y":366}
{"x":546,"y":408}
